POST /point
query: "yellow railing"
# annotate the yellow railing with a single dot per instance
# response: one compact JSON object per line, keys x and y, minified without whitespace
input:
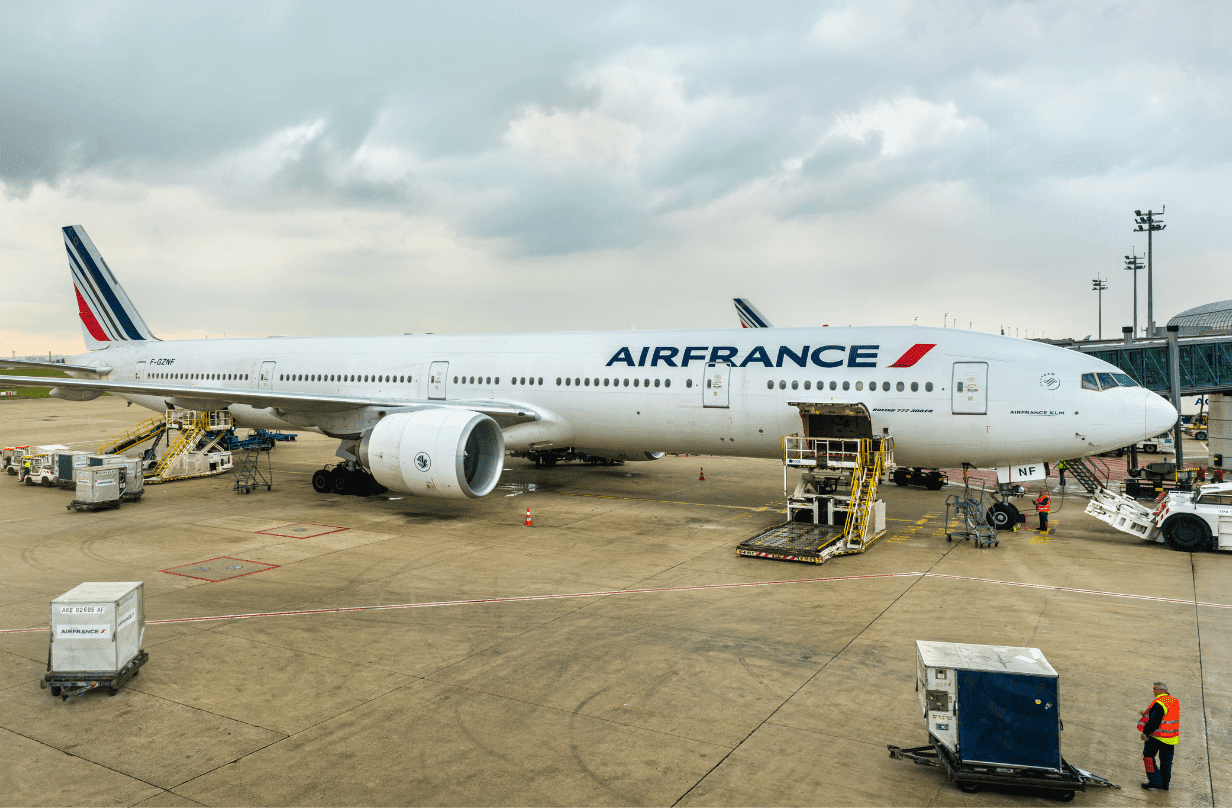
{"x":869,"y":465}
{"x":188,"y":438}
{"x":131,"y":437}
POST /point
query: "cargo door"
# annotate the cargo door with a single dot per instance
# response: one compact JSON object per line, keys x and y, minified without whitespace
{"x":438,"y":379}
{"x":1008,"y":719}
{"x":715,"y":392}
{"x":265,"y":379}
{"x":970,"y":390}
{"x":139,"y":370}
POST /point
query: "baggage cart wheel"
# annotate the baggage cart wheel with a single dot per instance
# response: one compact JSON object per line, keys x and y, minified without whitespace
{"x":55,"y":690}
{"x":1065,"y":796}
{"x":968,"y":786}
{"x":111,"y":691}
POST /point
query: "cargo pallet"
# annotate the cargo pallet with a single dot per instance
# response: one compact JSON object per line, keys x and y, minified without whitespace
{"x":800,"y":541}
{"x":74,"y":683}
{"x":970,"y":777}
{"x":80,"y":505}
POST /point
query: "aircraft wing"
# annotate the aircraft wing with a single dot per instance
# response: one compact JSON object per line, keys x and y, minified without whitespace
{"x":197,"y":397}
{"x":29,"y":363}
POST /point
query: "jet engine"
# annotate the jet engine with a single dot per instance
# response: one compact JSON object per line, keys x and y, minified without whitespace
{"x":618,"y":454}
{"x":446,"y":453}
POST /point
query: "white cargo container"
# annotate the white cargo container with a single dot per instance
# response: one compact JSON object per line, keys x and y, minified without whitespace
{"x":132,"y":481}
{"x":97,"y":627}
{"x":97,"y":487}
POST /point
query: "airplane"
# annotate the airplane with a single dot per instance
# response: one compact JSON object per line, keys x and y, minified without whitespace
{"x":434,"y":414}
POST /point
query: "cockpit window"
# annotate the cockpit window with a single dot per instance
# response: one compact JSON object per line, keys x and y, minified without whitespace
{"x":1125,"y":379}
{"x":1088,"y":382}
{"x":1106,"y":380}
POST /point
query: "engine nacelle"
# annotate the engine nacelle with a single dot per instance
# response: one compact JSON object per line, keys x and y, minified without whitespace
{"x":617,"y":454}
{"x":451,"y":454}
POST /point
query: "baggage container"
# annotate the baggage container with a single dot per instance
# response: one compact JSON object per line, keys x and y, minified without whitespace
{"x":67,"y":464}
{"x":97,"y":627}
{"x":97,"y":487}
{"x":132,"y":481}
{"x":991,"y":704}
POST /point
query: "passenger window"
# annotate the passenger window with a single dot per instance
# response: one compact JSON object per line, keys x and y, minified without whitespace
{"x":605,"y":382}
{"x":769,"y":385}
{"x":846,"y":385}
{"x":656,"y":382}
{"x":626,"y":384}
{"x":899,"y":387}
{"x":522,"y":380}
{"x":667,"y":382}
{"x":915,"y":387}
{"x":928,"y":387}
{"x":1106,"y":381}
{"x":808,"y":385}
{"x":558,"y":381}
{"x":885,"y":387}
{"x":688,"y":382}
{"x":782,"y":384}
{"x":859,"y":385}
{"x":635,"y":381}
{"x":568,"y":382}
{"x":455,"y":379}
{"x":587,"y":382}
{"x":795,"y":385}
{"x":576,"y":382}
{"x":833,"y":385}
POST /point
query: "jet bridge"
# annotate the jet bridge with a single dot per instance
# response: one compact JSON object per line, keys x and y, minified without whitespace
{"x":833,"y":507}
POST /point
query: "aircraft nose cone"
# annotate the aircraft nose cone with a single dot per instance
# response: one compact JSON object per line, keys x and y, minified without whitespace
{"x":1160,"y":415}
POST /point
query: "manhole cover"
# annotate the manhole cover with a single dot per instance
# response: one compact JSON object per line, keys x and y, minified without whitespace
{"x":235,"y":567}
{"x":201,"y":569}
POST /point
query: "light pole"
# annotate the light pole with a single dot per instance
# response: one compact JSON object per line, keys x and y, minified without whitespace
{"x":1098,"y":285}
{"x":1133,"y":263}
{"x":1147,"y":223}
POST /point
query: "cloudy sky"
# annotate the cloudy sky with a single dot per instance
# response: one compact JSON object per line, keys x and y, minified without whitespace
{"x":327,"y":168}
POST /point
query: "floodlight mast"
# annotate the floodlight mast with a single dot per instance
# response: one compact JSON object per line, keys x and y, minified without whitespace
{"x":1099,"y":285}
{"x":1133,"y":263}
{"x":1148,"y":223}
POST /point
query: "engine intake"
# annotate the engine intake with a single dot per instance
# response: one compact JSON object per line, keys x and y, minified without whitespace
{"x":446,"y":453}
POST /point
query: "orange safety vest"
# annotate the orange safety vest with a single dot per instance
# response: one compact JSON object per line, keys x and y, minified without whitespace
{"x":1170,"y":728}
{"x":1043,"y":504}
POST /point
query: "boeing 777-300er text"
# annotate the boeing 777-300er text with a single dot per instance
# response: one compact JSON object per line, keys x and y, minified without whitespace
{"x":434,"y":414}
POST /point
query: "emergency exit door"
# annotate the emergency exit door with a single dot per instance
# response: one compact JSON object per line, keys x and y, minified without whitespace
{"x":970,"y":388}
{"x":438,"y":378}
{"x":715,"y":387}
{"x":139,"y":370}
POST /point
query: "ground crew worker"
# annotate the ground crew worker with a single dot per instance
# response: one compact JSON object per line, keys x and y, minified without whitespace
{"x":1218,"y":476}
{"x":1043,"y":504}
{"x":1061,"y":467}
{"x":1160,"y":726}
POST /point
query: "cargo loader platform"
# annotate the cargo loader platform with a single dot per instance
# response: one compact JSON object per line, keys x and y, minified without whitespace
{"x":821,"y":522}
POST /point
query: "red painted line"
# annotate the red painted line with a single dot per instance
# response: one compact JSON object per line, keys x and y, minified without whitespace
{"x":1076,"y":591}
{"x":527,"y":598}
{"x":270,"y":531}
{"x":517,"y":599}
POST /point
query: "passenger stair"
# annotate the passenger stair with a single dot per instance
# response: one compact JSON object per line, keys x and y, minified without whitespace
{"x":191,"y":432}
{"x":823,"y":524}
{"x":1084,"y":474}
{"x":142,"y":432}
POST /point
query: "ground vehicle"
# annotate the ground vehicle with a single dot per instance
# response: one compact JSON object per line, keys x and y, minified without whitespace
{"x":1160,"y":443}
{"x":1198,"y":520}
{"x":932,"y":479}
{"x":1197,"y":427}
{"x":1155,"y":478}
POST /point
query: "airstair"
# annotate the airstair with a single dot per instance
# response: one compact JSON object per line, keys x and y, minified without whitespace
{"x":821,"y":522}
{"x":1084,"y":474}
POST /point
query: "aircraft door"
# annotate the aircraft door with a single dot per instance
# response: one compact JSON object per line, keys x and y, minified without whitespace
{"x":970,"y":390}
{"x":715,"y":389}
{"x":265,"y":379}
{"x":139,"y":371}
{"x":438,"y":377}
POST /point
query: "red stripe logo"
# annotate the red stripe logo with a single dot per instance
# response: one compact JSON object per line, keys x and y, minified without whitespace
{"x":914,"y":354}
{"x":87,"y":317}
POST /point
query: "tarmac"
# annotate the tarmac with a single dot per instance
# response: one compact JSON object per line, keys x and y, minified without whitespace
{"x":618,"y":652}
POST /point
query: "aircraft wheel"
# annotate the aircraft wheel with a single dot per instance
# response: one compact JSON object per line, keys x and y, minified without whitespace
{"x":342,"y":481}
{"x":1002,"y":516}
{"x":321,"y":482}
{"x":900,"y":476}
{"x":1186,"y":533}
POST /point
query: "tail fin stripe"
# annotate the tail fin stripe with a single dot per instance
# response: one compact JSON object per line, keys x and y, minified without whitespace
{"x":87,"y":317}
{"x":83,"y":284}
{"x":113,"y":302}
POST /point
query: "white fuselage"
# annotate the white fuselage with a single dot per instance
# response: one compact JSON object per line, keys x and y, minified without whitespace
{"x":648,"y":390}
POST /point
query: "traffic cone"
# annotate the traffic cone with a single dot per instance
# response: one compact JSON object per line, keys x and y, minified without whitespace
{"x":528,"y":522}
{"x":702,"y":477}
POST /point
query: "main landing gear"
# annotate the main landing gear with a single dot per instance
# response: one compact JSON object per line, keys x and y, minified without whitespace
{"x":346,"y":478}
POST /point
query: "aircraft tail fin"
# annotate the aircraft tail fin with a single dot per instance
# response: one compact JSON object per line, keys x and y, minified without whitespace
{"x":107,"y":315}
{"x":750,"y":317}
